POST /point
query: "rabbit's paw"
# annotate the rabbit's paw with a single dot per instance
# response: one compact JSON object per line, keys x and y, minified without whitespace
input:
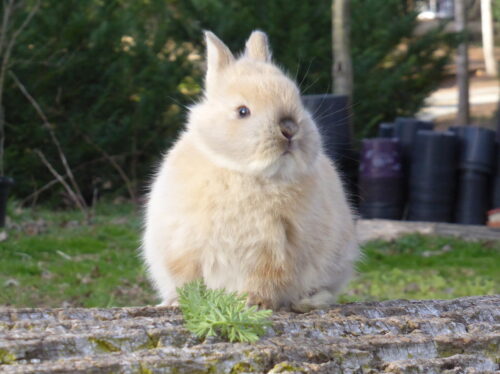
{"x":259,"y":301}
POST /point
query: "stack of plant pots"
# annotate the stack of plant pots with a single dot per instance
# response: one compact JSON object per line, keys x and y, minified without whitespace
{"x":386,"y":130}
{"x":433,"y":177}
{"x":331,"y":114}
{"x":405,"y":129}
{"x":381,"y":179}
{"x":476,"y":167}
{"x":451,"y":176}
{"x":496,"y":181}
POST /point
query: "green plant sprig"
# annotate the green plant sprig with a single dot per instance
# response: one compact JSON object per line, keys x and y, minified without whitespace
{"x":216,"y":312}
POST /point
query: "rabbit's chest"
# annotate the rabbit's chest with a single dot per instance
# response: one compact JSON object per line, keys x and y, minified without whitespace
{"x":237,"y":217}
{"x":245,"y":215}
{"x":242,"y":230}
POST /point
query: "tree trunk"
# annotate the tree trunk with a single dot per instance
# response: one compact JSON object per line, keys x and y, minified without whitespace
{"x":342,"y":64}
{"x":488,"y":39}
{"x":433,"y":6}
{"x":462,"y":64}
{"x":400,"y":336}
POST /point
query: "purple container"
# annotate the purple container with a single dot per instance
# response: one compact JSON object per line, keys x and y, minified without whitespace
{"x":381,"y":179}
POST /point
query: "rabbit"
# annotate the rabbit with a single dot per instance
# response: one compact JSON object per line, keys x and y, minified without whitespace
{"x":246,"y":198}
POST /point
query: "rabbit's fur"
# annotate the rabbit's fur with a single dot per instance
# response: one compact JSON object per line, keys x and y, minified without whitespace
{"x":238,"y":204}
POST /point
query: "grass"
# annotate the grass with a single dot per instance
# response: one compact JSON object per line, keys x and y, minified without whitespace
{"x":51,"y":259}
{"x":426,"y":267}
{"x":73,"y":264}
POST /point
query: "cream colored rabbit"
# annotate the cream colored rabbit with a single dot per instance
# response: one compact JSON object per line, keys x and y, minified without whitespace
{"x":246,"y":199}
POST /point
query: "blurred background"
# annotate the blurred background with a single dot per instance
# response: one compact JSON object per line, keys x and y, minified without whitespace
{"x":112,"y":78}
{"x":93,"y":92}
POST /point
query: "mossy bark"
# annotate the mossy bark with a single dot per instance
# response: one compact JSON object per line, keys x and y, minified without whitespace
{"x":399,"y":336}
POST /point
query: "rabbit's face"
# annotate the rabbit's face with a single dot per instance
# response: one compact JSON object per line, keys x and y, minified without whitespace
{"x":252,"y":119}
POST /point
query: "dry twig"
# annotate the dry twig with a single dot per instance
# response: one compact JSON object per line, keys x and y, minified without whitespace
{"x":115,"y":164}
{"x":61,"y":180}
{"x":6,"y":46}
{"x":73,"y":190}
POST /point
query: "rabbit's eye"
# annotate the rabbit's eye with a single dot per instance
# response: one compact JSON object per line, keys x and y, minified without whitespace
{"x":243,"y":111}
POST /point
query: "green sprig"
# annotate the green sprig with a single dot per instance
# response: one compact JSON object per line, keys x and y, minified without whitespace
{"x":216,"y":312}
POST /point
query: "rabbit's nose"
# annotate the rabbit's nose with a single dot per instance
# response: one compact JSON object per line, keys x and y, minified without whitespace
{"x":288,"y":128}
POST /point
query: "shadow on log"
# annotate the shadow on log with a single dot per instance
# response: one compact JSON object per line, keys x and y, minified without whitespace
{"x":399,"y":336}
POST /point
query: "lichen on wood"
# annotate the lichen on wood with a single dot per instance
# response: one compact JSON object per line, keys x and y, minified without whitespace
{"x":398,"y":336}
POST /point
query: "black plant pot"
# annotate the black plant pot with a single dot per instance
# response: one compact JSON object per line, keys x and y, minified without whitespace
{"x":386,"y":130}
{"x":331,"y":114}
{"x":496,"y":182}
{"x":477,"y":148}
{"x":5,"y":185}
{"x":405,"y":129}
{"x":381,"y":179}
{"x":476,"y":164}
{"x":473,"y":200}
{"x":433,"y":177}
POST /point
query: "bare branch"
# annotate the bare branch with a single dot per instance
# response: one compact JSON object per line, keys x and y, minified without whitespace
{"x":7,"y":7}
{"x":53,"y":182}
{"x":38,"y":191}
{"x":6,"y":47}
{"x":12,"y":42}
{"x":115,"y":164}
{"x":7,"y":11}
{"x":53,"y":136}
{"x":60,"y":179}
{"x":31,"y":100}
{"x":25,"y":23}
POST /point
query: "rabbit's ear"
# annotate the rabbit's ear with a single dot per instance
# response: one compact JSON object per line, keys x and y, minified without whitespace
{"x":218,"y":55}
{"x":257,"y":47}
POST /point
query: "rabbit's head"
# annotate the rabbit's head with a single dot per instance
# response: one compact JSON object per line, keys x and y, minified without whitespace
{"x":251,"y":118}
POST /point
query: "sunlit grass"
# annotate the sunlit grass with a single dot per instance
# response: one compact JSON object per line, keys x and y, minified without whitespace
{"x":426,"y":267}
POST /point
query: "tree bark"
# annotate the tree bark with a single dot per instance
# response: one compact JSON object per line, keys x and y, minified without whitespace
{"x":462,"y":61}
{"x":342,"y":64}
{"x":488,"y":39}
{"x":399,"y":336}
{"x":342,"y":72}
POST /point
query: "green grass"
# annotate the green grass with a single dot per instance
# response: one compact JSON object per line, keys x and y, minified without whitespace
{"x":426,"y":267}
{"x":52,"y":259}
{"x":70,"y":263}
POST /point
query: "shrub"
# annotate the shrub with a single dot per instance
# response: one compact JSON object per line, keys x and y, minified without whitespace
{"x":394,"y":68}
{"x":115,"y":75}
{"x":109,"y":73}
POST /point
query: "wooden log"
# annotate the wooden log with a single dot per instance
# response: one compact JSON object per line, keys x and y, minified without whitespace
{"x":398,"y":336}
{"x":371,"y":229}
